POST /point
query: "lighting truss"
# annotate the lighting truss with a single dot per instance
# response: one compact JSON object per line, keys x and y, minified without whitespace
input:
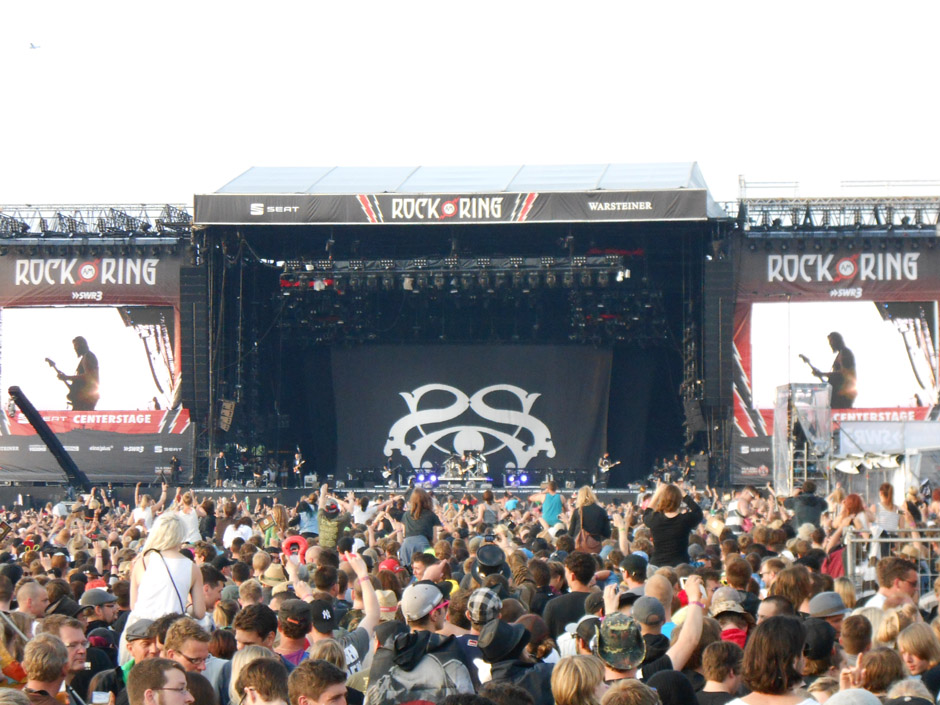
{"x":12,"y":227}
{"x":107,"y":220}
{"x":912,"y":215}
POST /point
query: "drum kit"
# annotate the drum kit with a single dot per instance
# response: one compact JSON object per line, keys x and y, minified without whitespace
{"x":471,"y":465}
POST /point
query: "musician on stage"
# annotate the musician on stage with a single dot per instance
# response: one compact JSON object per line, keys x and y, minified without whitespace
{"x":605,"y":463}
{"x":220,"y":467}
{"x":296,"y":478}
{"x":83,"y":385}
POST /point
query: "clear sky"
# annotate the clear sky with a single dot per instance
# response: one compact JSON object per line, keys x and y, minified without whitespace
{"x":155,"y":101}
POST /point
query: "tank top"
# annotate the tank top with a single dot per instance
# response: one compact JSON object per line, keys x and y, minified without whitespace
{"x":887,"y":519}
{"x":190,"y":522}
{"x":551,"y":508}
{"x":489,"y":514}
{"x":156,"y":595}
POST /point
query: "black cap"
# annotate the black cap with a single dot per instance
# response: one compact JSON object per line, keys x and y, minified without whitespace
{"x":324,"y":616}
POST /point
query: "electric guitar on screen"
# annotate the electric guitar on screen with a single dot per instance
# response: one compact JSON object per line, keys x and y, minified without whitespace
{"x":817,"y":373}
{"x":75,"y":388}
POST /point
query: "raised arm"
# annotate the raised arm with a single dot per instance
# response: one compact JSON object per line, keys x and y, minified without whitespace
{"x":687,"y":642}
{"x":370,"y":601}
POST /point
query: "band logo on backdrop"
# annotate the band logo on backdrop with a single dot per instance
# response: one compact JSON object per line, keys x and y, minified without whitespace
{"x":425,"y":428}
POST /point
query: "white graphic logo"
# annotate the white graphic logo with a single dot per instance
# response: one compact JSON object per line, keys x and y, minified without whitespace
{"x":408,"y":434}
{"x":256,"y":209}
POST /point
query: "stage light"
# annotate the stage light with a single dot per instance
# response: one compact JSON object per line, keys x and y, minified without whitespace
{"x":550,"y":279}
{"x":432,"y":478}
{"x":511,"y":479}
{"x":421,"y":477}
{"x":603,"y":279}
{"x":523,"y":478}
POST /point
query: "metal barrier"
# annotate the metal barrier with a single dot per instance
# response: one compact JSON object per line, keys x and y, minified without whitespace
{"x":861,"y":556}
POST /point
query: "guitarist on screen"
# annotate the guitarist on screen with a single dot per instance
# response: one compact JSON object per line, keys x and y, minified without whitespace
{"x":842,"y":377}
{"x":83,"y":385}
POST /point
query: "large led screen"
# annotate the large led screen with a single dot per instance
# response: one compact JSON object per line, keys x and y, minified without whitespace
{"x":134,"y":347}
{"x":894,"y":346}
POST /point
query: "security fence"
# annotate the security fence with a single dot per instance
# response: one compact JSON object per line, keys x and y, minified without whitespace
{"x":862,"y":554}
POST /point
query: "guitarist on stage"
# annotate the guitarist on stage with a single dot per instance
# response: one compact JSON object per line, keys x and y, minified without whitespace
{"x":842,"y":377}
{"x":83,"y":385}
{"x":605,"y":463}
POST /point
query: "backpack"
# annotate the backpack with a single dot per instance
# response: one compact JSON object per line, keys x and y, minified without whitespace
{"x":429,"y":682}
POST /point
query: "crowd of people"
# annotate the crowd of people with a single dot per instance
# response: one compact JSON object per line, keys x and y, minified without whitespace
{"x":678,"y":597}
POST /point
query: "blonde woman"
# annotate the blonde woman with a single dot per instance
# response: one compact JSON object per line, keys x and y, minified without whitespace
{"x":895,"y":621}
{"x":845,"y":588}
{"x":670,"y":528}
{"x":146,"y":509}
{"x":189,"y":513}
{"x":578,"y":680}
{"x":590,"y":516}
{"x":163,"y":580}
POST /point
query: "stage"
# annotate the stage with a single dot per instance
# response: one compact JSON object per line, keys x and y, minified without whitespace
{"x":37,"y":497}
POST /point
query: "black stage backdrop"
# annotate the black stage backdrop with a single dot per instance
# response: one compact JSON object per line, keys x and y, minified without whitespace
{"x":522,"y":406}
{"x":345,"y":406}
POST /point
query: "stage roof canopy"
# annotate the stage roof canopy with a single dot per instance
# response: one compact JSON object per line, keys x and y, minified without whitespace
{"x":454,"y":194}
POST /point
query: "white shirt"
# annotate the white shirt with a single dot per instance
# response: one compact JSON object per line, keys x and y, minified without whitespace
{"x":145,"y":514}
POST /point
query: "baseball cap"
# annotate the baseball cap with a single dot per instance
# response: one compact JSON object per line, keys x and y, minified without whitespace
{"x":594,"y":602}
{"x":138,"y":630}
{"x":484,"y":606}
{"x":634,"y":565}
{"x":827,"y":604}
{"x":419,"y":600}
{"x":908,"y":700}
{"x":388,"y":604}
{"x":230,"y":592}
{"x":391,"y":564}
{"x":619,"y":642}
{"x":586,"y":628}
{"x":96,"y":597}
{"x":820,"y":638}
{"x":324,"y":618}
{"x":649,"y":611}
{"x":296,"y":612}
{"x":721,"y":606}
